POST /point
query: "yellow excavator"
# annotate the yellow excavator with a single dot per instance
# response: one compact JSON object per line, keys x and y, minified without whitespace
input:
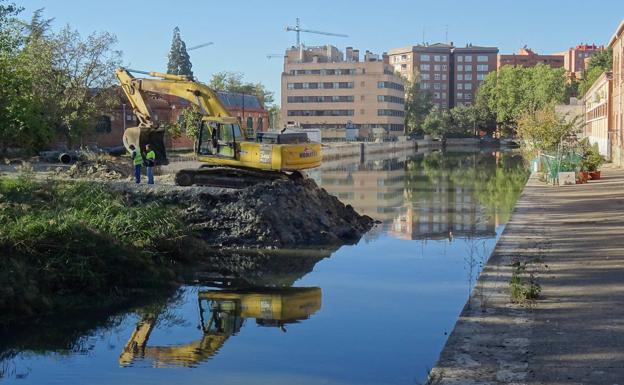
{"x":230,"y":159}
{"x":222,"y":314}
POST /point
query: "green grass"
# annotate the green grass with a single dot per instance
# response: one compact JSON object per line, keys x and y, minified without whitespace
{"x":523,"y":286}
{"x":75,"y":244}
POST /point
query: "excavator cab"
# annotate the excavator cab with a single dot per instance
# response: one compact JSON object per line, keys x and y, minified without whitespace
{"x":219,"y":139}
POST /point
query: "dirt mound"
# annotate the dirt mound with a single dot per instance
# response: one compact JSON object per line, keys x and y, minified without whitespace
{"x":102,"y":169}
{"x":280,"y":214}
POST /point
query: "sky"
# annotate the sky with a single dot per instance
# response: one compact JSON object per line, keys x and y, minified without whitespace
{"x":245,"y":31}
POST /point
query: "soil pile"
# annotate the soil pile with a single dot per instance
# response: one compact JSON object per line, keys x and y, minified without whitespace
{"x":278,"y":214}
{"x":102,"y":169}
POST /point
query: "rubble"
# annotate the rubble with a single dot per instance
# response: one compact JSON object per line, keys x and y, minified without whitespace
{"x":101,"y":169}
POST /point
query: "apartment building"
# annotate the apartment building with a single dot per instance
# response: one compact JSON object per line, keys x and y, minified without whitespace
{"x":574,"y":59}
{"x":470,"y":65}
{"x":616,"y":43}
{"x":324,"y":88}
{"x":452,"y":74}
{"x":526,"y":57}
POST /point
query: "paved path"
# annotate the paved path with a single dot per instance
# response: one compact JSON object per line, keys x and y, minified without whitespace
{"x":573,"y":239}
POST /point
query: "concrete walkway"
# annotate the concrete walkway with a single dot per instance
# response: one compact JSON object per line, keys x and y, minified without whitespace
{"x":573,"y":239}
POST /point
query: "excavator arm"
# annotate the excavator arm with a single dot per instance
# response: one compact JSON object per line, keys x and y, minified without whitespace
{"x":150,"y":131}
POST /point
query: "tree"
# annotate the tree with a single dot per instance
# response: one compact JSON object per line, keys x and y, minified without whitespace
{"x":543,"y":130}
{"x":464,"y":120}
{"x":437,"y":123}
{"x":418,"y":104}
{"x":599,"y":63}
{"x":233,"y":82}
{"x":179,"y":59}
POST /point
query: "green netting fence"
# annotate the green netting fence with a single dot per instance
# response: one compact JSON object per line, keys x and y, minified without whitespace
{"x":551,"y":164}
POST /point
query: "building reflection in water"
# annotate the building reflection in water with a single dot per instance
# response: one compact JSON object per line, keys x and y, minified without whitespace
{"x":427,"y":196}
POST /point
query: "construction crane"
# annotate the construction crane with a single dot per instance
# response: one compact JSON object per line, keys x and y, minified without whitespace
{"x":297,"y":28}
{"x":200,"y":46}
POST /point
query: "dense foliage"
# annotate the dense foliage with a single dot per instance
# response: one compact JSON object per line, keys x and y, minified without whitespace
{"x":51,"y":84}
{"x":543,"y":130}
{"x":601,"y":61}
{"x":233,"y":82}
{"x":65,"y":244}
{"x":418,"y":104}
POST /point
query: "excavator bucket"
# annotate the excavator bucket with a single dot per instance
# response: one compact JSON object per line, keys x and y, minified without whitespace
{"x":142,"y":136}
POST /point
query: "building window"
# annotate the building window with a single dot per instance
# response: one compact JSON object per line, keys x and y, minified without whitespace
{"x":460,"y":77}
{"x":482,"y":67}
{"x":468,"y":77}
{"x":436,"y":95}
{"x":260,"y":124}
{"x":395,"y":86}
{"x":437,"y":58}
{"x":460,"y":59}
{"x":482,"y":58}
{"x":425,"y":76}
{"x":460,"y":95}
{"x":443,"y":95}
{"x":468,"y":86}
{"x":467,"y":96}
{"x":437,"y":67}
{"x":436,"y":86}
{"x":424,"y":67}
{"x":480,"y":76}
{"x":468,"y":67}
{"x":424,"y":58}
{"x":460,"y":67}
{"x":290,"y":86}
{"x":444,"y":67}
{"x":436,"y":76}
{"x":468,"y":58}
{"x":403,"y":57}
{"x":444,"y":58}
{"x":460,"y":86}
{"x":385,"y":112}
{"x":425,"y":86}
{"x":443,"y":76}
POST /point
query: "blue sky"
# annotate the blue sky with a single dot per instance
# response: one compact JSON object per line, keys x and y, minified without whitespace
{"x":244,"y":32}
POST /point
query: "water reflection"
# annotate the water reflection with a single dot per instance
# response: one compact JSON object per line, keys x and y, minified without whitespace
{"x":431,"y":195}
{"x":222,"y":314}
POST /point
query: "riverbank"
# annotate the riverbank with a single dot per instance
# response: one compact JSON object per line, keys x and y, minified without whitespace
{"x":570,"y":240}
{"x":72,"y":244}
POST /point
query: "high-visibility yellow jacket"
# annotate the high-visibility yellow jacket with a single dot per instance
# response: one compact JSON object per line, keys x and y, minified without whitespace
{"x":151,"y":158}
{"x":137,"y":159}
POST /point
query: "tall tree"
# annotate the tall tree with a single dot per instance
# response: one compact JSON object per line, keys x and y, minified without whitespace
{"x":599,"y":63}
{"x":179,"y":59}
{"x":418,"y":103}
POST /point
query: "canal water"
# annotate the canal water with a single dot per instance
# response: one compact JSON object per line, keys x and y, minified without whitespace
{"x":378,"y":312}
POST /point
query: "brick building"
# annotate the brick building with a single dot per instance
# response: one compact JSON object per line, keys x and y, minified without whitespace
{"x":452,"y":74}
{"x":574,"y":59}
{"x":616,"y":43}
{"x":326,"y":89}
{"x":526,"y":57}
{"x":597,"y":110}
{"x":166,"y":108}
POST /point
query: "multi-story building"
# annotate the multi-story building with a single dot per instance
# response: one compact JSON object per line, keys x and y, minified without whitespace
{"x":616,"y":43}
{"x":430,"y":65}
{"x":526,"y":57}
{"x":322,"y":88}
{"x":470,"y":65}
{"x":451,"y":74}
{"x":597,"y":111}
{"x":574,"y":59}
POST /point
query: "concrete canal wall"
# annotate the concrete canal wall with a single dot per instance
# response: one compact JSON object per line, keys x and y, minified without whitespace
{"x":571,"y":241}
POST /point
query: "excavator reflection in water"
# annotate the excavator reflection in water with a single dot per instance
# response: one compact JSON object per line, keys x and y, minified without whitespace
{"x":222,"y":314}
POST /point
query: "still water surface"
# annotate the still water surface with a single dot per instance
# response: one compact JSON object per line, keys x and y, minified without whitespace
{"x":378,"y":312}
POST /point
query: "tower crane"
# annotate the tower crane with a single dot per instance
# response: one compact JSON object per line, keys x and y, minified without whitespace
{"x":297,"y":28}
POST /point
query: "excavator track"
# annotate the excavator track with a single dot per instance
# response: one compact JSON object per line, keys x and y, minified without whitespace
{"x":229,"y":177}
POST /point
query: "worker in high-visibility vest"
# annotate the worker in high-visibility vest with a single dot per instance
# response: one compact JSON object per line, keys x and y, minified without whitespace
{"x":150,"y":159}
{"x":137,"y":161}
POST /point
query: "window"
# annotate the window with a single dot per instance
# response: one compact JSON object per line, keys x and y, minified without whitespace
{"x":468,"y":96}
{"x":468,"y":67}
{"x":460,"y":95}
{"x":403,"y":57}
{"x":468,"y":77}
{"x":468,"y":58}
{"x":390,"y":99}
{"x":460,"y":86}
{"x":424,"y":67}
{"x":425,"y":76}
{"x":436,"y":86}
{"x":403,"y":67}
{"x":437,"y":58}
{"x":444,"y":67}
{"x":444,"y":58}
{"x":468,"y":86}
{"x":460,"y":77}
{"x":443,"y":95}
{"x":443,"y":76}
{"x":424,"y":58}
{"x":425,"y":86}
{"x":460,"y":67}
{"x":306,"y":85}
{"x":290,"y":86}
{"x":437,"y":67}
{"x":480,"y":76}
{"x":482,"y":58}
{"x":249,"y":123}
{"x":384,"y":112}
{"x":460,"y":59}
{"x":482,"y":67}
{"x":436,"y":95}
{"x":436,"y":76}
{"x":395,"y":86}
